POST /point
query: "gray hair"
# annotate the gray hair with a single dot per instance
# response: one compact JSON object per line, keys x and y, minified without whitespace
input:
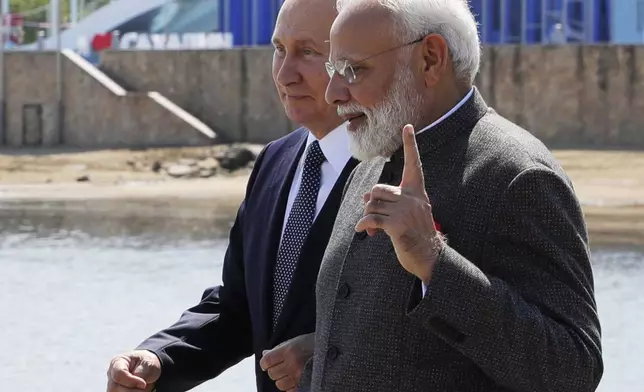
{"x":452,"y":19}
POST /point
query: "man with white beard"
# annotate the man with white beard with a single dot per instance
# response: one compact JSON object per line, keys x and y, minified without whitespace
{"x":508,"y":303}
{"x":401,"y":103}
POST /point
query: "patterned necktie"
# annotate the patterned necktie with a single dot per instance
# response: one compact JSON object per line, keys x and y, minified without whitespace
{"x":297,"y":227}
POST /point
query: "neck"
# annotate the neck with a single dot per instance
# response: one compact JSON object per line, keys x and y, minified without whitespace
{"x":321,"y":130}
{"x":442,"y":102}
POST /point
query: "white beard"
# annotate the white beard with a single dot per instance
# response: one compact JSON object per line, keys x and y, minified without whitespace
{"x":381,"y":133}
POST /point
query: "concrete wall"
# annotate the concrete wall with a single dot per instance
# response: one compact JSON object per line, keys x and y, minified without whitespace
{"x":568,"y":96}
{"x":92,"y":116}
{"x":232,"y":91}
{"x":30,"y":81}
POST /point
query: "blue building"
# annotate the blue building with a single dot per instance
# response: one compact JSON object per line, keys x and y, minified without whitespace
{"x":533,"y":21}
{"x":500,"y":21}
{"x":251,"y":22}
{"x":627,"y":21}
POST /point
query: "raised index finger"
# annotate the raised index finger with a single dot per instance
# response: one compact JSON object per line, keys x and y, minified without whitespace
{"x":412,"y":176}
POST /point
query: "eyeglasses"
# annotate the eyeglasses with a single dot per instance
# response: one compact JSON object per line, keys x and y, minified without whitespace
{"x":348,"y":71}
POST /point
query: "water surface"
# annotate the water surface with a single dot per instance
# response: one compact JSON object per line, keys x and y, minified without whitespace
{"x":81,"y":282}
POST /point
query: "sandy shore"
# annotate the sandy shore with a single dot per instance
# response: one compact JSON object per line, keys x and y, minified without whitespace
{"x":610,"y":184}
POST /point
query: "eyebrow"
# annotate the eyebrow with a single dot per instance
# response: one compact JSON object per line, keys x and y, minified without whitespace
{"x":349,"y":59}
{"x":309,"y":41}
{"x":302,"y":41}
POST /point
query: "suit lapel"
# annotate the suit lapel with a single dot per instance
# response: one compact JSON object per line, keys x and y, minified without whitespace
{"x":283,"y":178}
{"x":308,"y":265}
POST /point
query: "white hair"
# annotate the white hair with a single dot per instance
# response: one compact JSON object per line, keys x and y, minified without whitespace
{"x":451,"y":19}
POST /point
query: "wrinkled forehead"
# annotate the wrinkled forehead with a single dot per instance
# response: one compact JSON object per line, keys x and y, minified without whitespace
{"x":361,"y":29}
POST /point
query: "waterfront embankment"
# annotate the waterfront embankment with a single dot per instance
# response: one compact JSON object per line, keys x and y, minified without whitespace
{"x":609,"y":184}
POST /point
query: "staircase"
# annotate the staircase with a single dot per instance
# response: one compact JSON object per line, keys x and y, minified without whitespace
{"x":108,"y":114}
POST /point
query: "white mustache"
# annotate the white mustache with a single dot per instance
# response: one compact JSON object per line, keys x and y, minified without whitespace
{"x":350,"y":109}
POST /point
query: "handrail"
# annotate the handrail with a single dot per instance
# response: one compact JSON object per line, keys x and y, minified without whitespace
{"x":182,"y":114}
{"x":94,"y":72}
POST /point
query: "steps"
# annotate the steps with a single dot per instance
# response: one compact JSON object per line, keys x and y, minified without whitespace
{"x":107,"y":113}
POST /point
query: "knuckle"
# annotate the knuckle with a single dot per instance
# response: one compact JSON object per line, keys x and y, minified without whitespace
{"x":279,"y":349}
{"x":287,"y":352}
{"x":119,"y":376}
{"x":115,"y":360}
{"x":283,"y":384}
{"x":270,"y":358}
{"x":378,"y":191}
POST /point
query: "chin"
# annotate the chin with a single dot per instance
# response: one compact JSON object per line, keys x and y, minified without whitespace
{"x":303,"y":117}
{"x":297,"y":114}
{"x":367,"y":143}
{"x":363,"y":154}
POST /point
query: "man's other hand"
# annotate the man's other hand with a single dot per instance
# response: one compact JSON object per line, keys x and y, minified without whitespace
{"x":285,"y":362}
{"x":134,"y":371}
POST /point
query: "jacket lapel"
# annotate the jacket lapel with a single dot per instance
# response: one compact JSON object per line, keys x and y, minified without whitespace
{"x":282,"y":179}
{"x":308,"y":265}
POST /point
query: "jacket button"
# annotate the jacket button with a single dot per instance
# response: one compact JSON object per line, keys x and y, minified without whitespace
{"x":344,"y":290}
{"x":332,"y":353}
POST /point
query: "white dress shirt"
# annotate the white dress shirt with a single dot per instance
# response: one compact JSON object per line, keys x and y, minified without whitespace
{"x":446,"y":115}
{"x":335,"y":147}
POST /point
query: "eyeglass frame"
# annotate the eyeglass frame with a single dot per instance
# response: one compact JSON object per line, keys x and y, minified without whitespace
{"x":332,"y":68}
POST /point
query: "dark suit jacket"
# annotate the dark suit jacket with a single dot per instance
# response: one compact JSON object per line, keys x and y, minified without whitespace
{"x":510,"y":304}
{"x":233,"y":321}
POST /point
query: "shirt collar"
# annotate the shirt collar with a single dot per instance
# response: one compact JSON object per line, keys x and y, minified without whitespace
{"x":455,"y":108}
{"x":334,"y":146}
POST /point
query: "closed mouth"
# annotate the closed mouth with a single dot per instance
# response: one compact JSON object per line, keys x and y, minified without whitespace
{"x":296,"y":97}
{"x":352,"y":116}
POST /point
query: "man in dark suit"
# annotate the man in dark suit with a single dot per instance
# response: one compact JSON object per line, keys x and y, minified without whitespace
{"x":459,"y":260}
{"x":266,"y":304}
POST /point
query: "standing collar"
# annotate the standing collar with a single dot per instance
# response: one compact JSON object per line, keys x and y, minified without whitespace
{"x":461,"y":121}
{"x":446,"y":115}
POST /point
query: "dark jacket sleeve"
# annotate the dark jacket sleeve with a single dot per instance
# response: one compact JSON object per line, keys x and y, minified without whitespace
{"x":216,"y":333}
{"x":526,"y":313}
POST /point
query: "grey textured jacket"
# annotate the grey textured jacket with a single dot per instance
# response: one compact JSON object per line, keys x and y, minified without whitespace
{"x":511,"y":302}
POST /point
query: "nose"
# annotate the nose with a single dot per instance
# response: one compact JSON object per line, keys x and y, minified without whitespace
{"x":288,"y":72}
{"x":336,"y":92}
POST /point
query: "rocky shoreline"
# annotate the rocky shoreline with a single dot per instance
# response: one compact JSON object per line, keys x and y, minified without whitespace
{"x":119,"y":166}
{"x":229,"y":160}
{"x":609,"y":184}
